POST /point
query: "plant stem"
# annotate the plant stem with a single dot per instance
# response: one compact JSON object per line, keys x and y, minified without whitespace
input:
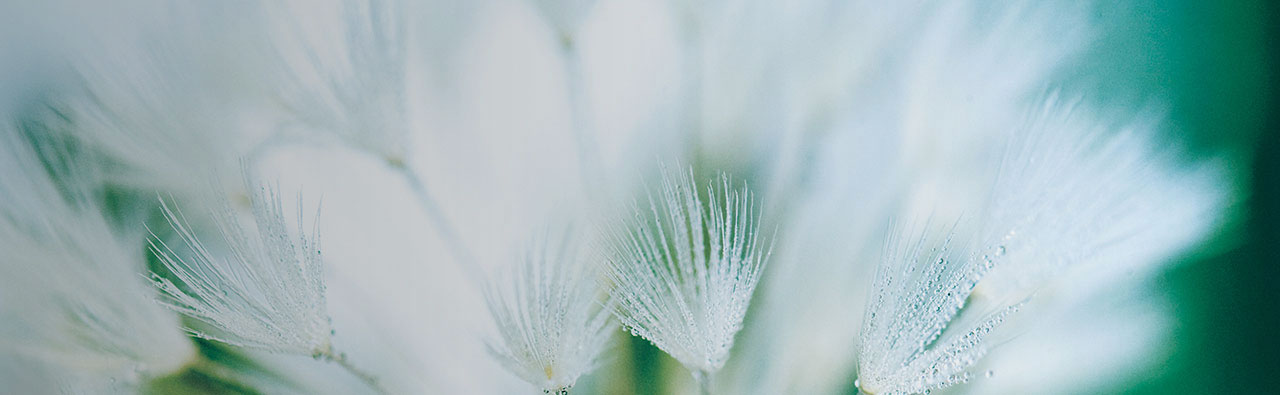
{"x":580,"y":114}
{"x":692,"y":65}
{"x":703,"y":378}
{"x":365,"y":376}
{"x":456,"y":248}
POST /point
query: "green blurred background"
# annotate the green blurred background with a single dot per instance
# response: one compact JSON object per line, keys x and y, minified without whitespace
{"x":1214,"y":62}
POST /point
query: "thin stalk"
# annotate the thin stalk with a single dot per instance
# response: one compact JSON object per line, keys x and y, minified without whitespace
{"x":457,"y":249}
{"x":703,"y":378}
{"x":368,"y":378}
{"x":580,"y":114}
{"x":692,"y":66}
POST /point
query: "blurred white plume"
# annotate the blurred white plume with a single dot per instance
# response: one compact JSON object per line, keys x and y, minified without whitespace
{"x":1073,"y":196}
{"x":552,"y":323}
{"x":71,"y":300}
{"x":443,"y":133}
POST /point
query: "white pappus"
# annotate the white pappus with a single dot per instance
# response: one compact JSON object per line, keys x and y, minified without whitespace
{"x":266,"y":291}
{"x":1073,"y":198}
{"x":552,"y":324}
{"x":683,"y":278}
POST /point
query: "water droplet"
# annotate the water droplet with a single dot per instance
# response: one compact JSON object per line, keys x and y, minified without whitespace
{"x":999,"y":250}
{"x":990,"y":373}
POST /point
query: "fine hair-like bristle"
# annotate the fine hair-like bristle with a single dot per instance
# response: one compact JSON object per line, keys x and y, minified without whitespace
{"x":1072,"y":195}
{"x":552,"y":323}
{"x":266,"y":291}
{"x":683,"y":274}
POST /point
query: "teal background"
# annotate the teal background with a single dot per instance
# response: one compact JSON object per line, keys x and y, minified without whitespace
{"x":1215,"y":61}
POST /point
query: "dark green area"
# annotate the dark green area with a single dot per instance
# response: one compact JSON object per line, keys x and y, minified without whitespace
{"x":1217,"y":64}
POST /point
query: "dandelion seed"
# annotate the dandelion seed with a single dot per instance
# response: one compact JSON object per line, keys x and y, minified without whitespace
{"x":145,"y":98}
{"x":267,"y":291}
{"x":1070,"y":196}
{"x":344,"y":75}
{"x":551,"y":324}
{"x":683,"y":278}
{"x":1086,"y":195}
{"x":912,"y":339}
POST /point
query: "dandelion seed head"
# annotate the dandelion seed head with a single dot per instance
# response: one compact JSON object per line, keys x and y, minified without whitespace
{"x":343,"y":74}
{"x":552,"y":324}
{"x":914,"y":338}
{"x":1085,"y":197}
{"x":1073,"y":198}
{"x":683,"y":273}
{"x":265,"y":291}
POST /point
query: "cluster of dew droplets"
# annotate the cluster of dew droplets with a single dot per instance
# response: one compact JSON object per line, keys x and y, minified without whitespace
{"x":684,"y":276}
{"x":912,"y":341}
{"x":266,"y":291}
{"x":551,"y":325}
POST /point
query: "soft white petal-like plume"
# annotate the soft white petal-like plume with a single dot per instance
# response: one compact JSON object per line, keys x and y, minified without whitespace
{"x":683,"y":277}
{"x":1089,"y":346}
{"x":340,"y":69}
{"x":266,"y":292}
{"x":552,"y":324}
{"x":72,"y":299}
{"x":1098,"y":200}
{"x":1072,"y":194}
{"x":913,"y":338}
{"x":902,"y":72}
{"x":154,"y":90}
{"x":823,"y":264}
